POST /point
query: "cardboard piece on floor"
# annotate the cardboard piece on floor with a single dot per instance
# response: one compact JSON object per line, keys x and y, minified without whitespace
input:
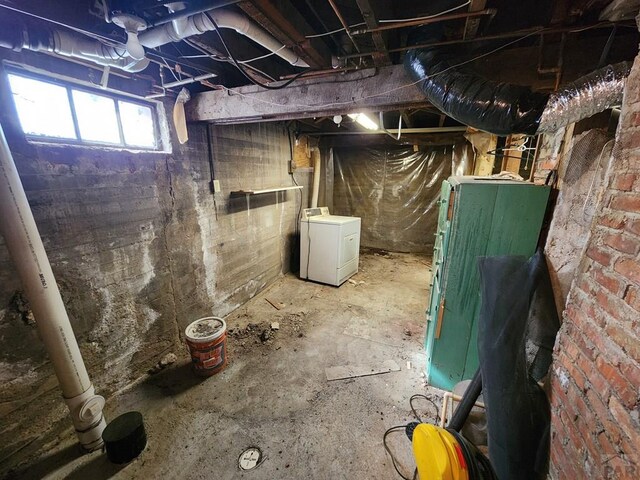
{"x":351,"y":371}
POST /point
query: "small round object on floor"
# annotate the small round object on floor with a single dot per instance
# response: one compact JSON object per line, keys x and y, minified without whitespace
{"x":125,"y":437}
{"x":250,"y":458}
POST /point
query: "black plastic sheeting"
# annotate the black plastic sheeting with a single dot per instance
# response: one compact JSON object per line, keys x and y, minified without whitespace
{"x":496,"y":107}
{"x":518,"y":323}
{"x":395,"y":191}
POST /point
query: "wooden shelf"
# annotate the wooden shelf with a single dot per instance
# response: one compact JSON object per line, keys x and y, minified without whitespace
{"x":265,"y":190}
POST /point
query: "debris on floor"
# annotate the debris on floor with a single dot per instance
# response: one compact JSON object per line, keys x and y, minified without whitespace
{"x":351,"y":371}
{"x":164,"y":362}
{"x":276,"y":305}
{"x":275,"y":325}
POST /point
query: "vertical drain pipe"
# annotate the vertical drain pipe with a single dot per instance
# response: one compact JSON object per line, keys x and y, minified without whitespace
{"x":27,"y":251}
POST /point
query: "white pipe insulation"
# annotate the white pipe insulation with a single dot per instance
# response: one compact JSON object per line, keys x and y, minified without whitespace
{"x":201,"y":22}
{"x":27,"y":251}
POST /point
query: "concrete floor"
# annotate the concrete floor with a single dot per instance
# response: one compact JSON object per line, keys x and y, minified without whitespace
{"x":274,"y":393}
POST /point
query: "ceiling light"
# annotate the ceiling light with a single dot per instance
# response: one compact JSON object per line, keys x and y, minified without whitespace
{"x":364,"y":120}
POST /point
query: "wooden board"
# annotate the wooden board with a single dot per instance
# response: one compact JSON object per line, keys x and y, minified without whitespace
{"x":351,"y":371}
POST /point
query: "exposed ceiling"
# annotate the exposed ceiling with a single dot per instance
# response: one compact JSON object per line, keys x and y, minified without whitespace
{"x":537,"y":43}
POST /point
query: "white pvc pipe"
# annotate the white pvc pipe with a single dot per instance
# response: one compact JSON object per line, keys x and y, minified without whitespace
{"x":27,"y":251}
{"x":316,"y":180}
{"x":201,"y":22}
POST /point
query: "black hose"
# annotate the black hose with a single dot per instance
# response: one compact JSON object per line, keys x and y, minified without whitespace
{"x":466,"y":404}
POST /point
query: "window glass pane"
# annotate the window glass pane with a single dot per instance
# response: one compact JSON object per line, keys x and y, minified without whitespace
{"x":96,"y":116}
{"x":137,"y":124}
{"x":43,"y":108}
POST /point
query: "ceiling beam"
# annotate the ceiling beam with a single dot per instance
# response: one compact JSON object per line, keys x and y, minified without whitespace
{"x":473,"y":23}
{"x":373,"y":90}
{"x":285,"y":23}
{"x":381,"y":56}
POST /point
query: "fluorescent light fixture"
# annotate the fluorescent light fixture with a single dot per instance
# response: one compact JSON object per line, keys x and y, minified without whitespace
{"x":364,"y":120}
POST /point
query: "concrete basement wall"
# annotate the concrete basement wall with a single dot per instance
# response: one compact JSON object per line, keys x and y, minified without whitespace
{"x":595,"y":397}
{"x":140,"y":247}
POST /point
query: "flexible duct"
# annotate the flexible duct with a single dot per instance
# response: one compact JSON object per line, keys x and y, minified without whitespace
{"x":20,"y":232}
{"x":201,"y":22}
{"x":503,"y":108}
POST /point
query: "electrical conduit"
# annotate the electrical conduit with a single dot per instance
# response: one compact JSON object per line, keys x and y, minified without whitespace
{"x":23,"y":241}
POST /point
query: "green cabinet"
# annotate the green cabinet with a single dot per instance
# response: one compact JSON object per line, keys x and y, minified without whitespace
{"x":478,"y":216}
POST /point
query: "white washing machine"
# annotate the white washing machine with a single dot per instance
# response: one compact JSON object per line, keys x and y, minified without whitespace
{"x":329,"y":246}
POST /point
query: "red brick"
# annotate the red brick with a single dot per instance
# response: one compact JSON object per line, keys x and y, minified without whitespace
{"x":601,"y":385}
{"x":626,"y":202}
{"x":612,"y":220}
{"x":627,"y":340}
{"x":629,"y":268}
{"x":599,"y":255}
{"x":633,"y":226}
{"x":605,"y":444}
{"x":631,"y":428}
{"x":604,"y":416}
{"x":631,"y":371}
{"x":577,"y":376}
{"x":623,"y":182}
{"x":607,"y":281}
{"x":622,"y":243}
{"x":619,"y":384}
{"x":632,"y":297}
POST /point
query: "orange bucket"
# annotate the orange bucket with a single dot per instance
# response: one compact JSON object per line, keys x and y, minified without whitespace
{"x":207,"y":342}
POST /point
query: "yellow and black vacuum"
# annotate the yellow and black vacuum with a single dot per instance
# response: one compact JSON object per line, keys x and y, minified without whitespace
{"x":444,"y":454}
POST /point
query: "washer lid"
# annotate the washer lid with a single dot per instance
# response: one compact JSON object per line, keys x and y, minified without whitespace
{"x":333,"y":219}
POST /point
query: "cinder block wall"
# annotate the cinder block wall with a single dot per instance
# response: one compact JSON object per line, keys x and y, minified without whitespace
{"x":596,"y":371}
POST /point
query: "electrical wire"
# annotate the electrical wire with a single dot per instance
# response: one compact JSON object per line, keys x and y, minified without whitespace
{"x":427,"y":17}
{"x":226,"y":60}
{"x":241,"y":68}
{"x":355,"y":101}
{"x":261,"y":57}
{"x":396,"y":428}
{"x":110,"y":41}
{"x":413,"y":410}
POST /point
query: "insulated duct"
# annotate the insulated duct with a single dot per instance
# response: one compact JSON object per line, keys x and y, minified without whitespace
{"x":68,"y":44}
{"x":201,"y":22}
{"x":503,"y":108}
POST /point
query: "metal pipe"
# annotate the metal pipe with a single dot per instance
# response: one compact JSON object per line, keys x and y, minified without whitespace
{"x":424,"y":21}
{"x":187,"y":81}
{"x":500,"y":36}
{"x":186,"y":12}
{"x":20,"y":232}
{"x":405,"y":131}
{"x":344,"y":23}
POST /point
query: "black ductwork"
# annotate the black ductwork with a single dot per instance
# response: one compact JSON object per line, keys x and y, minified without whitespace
{"x":503,"y":108}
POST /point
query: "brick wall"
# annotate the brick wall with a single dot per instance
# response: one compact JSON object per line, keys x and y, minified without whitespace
{"x":596,"y":371}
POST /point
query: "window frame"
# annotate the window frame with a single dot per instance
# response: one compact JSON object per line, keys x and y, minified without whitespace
{"x":70,"y":86}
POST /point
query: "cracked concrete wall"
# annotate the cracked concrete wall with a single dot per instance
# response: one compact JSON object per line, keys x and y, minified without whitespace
{"x":140,"y":248}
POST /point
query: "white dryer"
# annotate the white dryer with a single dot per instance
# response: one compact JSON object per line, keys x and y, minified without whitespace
{"x":329,"y":246}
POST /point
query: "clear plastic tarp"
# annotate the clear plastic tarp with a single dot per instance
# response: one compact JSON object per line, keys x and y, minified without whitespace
{"x":395,"y":190}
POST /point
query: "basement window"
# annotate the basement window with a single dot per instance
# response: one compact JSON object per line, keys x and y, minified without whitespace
{"x":61,"y":113}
